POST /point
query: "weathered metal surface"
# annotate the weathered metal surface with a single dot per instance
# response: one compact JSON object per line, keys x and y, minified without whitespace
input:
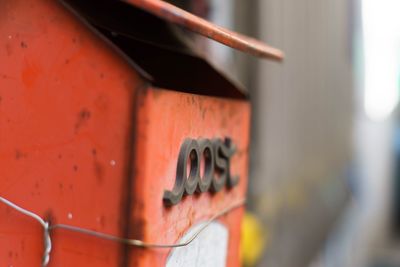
{"x":196,"y":24}
{"x":209,"y":249}
{"x":86,"y":142}
{"x":65,"y":133}
{"x":165,"y":119}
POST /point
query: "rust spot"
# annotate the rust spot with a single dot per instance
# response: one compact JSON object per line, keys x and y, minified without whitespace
{"x":61,"y":186}
{"x":4,"y":76}
{"x":19,"y":154}
{"x":67,"y":61}
{"x":101,"y":75}
{"x":49,"y":216}
{"x":75,"y":167}
{"x":84,"y":114}
{"x":94,"y":152}
{"x":59,"y":156}
{"x":83,"y":117}
{"x":99,"y":171}
{"x":36,"y":184}
{"x":24,"y":45}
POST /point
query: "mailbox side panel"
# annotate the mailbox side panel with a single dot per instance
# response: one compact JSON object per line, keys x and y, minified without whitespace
{"x":165,"y":120}
{"x":66,"y":105}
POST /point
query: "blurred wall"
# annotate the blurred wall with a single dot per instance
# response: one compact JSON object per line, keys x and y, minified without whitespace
{"x":302,"y":125}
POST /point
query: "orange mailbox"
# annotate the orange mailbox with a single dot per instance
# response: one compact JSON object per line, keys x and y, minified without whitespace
{"x":119,"y":146}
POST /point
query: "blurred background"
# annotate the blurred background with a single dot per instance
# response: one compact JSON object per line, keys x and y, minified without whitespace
{"x":325,"y":159}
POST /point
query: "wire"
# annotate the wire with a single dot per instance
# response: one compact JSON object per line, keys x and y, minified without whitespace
{"x":47,"y":228}
{"x":45,"y":225}
{"x":23,"y":211}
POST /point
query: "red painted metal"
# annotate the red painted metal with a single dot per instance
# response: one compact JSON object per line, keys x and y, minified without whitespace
{"x":196,"y":24}
{"x":86,"y":141}
{"x":66,"y":100}
{"x":165,"y":119}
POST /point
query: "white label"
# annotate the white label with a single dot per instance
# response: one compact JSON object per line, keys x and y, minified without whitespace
{"x":208,"y":249}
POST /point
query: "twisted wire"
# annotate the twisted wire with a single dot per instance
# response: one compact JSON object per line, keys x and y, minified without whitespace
{"x":47,"y":228}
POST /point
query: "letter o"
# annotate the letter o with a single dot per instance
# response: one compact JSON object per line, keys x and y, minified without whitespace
{"x":193,"y":177}
{"x":206,"y":149}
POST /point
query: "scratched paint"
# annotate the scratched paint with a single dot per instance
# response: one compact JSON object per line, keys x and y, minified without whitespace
{"x":165,"y":119}
{"x":65,"y":130}
{"x":72,"y":116}
{"x":209,"y":249}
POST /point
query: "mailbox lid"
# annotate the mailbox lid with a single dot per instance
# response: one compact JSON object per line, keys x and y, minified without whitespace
{"x":150,"y":33}
{"x":176,"y":16}
{"x":165,"y":119}
{"x":203,"y":27}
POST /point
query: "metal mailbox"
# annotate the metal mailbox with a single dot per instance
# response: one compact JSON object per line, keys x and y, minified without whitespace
{"x":109,"y":124}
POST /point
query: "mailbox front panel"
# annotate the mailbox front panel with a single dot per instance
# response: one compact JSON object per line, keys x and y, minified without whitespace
{"x":165,"y":120}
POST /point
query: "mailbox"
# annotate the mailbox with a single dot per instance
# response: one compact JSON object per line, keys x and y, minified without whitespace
{"x":110,"y":123}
